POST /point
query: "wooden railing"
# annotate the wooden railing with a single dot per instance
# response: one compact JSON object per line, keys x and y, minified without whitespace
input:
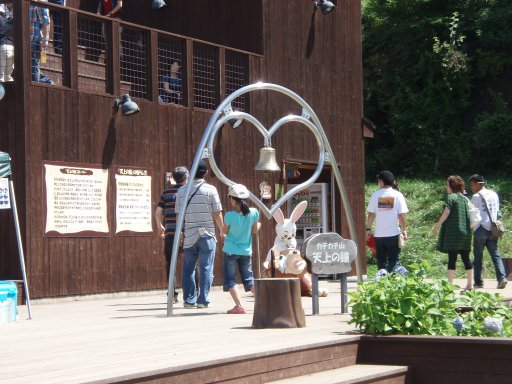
{"x":97,"y":54}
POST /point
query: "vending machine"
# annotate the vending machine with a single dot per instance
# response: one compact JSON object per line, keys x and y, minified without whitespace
{"x":316,"y":217}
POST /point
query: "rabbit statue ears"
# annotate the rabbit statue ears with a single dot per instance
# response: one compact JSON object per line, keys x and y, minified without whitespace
{"x":296,"y":213}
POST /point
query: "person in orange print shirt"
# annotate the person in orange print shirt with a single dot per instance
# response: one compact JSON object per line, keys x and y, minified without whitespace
{"x":387,"y":208}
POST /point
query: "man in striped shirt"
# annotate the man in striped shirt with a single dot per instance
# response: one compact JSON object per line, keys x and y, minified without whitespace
{"x":165,"y":215}
{"x":199,"y":241}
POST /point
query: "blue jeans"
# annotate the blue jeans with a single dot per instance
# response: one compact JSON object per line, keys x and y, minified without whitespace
{"x":204,"y":251}
{"x":229,"y":271}
{"x":483,"y":238}
{"x":37,"y":75}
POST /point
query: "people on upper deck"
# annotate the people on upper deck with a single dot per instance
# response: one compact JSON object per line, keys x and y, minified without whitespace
{"x":39,"y":36}
{"x":7,"y":9}
{"x":110,"y":8}
{"x":170,"y":85}
{"x":6,"y":42}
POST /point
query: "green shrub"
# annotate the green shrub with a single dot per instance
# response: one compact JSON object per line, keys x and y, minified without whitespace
{"x":411,"y":305}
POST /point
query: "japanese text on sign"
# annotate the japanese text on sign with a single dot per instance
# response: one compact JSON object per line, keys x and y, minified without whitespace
{"x":329,"y":253}
{"x":76,"y":199}
{"x":133,"y":200}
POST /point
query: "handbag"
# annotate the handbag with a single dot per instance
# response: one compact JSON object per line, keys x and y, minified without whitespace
{"x":370,"y":243}
{"x":401,"y":240}
{"x":497,"y":227}
{"x":474,"y":214}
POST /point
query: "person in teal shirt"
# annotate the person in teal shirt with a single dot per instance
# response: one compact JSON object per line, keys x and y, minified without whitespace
{"x":239,"y":226}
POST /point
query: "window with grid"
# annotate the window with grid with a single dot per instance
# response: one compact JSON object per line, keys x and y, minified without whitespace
{"x":91,"y":55}
{"x":205,"y":76}
{"x":171,"y":75}
{"x":47,"y":65}
{"x":236,"y":77}
{"x":134,"y":66}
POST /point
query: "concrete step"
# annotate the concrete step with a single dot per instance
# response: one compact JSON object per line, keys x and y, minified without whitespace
{"x":357,"y":373}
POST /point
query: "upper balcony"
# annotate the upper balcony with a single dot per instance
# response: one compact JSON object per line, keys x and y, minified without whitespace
{"x":96,"y":54}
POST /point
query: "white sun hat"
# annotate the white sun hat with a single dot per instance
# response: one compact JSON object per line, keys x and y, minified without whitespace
{"x":239,"y":191}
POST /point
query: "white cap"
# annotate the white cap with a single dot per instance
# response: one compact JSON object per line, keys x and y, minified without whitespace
{"x":239,"y":191}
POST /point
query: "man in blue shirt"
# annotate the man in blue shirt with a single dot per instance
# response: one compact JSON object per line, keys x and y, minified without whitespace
{"x":170,"y":85}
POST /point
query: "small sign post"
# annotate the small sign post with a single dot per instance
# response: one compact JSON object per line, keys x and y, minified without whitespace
{"x":9,"y":201}
{"x":329,"y":253}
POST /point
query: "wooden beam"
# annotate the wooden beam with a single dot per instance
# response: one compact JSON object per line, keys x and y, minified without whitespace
{"x":71,"y":50}
{"x":190,"y":73}
{"x":113,"y":57}
{"x":152,"y":60}
{"x":221,"y":94}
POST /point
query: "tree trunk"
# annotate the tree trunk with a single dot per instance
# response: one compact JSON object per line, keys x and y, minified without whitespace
{"x":278,"y":304}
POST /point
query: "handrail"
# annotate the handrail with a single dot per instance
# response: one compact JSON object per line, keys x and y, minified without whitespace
{"x":69,"y":75}
{"x":149,"y":29}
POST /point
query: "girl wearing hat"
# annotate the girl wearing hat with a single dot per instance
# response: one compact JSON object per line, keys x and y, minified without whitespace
{"x":239,"y":225}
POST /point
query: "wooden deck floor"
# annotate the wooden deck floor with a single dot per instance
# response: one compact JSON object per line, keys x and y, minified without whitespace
{"x":109,"y":338}
{"x":83,"y":341}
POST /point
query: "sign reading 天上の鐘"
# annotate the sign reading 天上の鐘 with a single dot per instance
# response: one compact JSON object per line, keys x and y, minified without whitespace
{"x":133,"y":200}
{"x":76,"y":200}
{"x":5,"y":200}
{"x":329,"y":253}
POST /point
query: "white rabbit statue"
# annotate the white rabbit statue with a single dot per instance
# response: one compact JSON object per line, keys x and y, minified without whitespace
{"x":288,"y":261}
{"x":285,"y":242}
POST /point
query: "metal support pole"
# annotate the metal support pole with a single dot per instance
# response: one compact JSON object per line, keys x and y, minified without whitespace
{"x":343,"y":286}
{"x":258,"y":256}
{"x":20,"y":247}
{"x":315,"y":298}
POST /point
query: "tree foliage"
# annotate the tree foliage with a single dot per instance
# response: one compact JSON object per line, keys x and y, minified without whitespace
{"x":435,"y":75}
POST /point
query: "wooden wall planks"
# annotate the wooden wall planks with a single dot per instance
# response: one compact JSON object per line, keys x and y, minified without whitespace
{"x":317,"y":56}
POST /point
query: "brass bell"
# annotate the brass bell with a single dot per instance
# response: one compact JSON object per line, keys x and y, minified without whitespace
{"x":267,"y":161}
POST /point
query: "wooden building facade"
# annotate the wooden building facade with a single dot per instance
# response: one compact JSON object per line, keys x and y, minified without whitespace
{"x":220,"y":46}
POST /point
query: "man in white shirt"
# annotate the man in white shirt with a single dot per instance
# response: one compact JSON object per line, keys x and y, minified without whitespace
{"x":387,"y":208}
{"x":489,"y":204}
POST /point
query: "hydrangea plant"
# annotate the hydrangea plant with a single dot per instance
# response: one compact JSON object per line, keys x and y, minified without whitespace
{"x":493,"y":324}
{"x":401,"y":270}
{"x":458,"y":323}
{"x":490,"y":315}
{"x":407,"y":303}
{"x":381,"y":273}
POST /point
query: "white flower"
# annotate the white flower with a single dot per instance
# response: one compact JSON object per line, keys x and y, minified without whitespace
{"x":381,"y":273}
{"x":493,"y":324}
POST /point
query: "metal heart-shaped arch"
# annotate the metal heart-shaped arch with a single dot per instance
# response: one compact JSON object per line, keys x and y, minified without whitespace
{"x":267,"y":135}
{"x":223,"y":114}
